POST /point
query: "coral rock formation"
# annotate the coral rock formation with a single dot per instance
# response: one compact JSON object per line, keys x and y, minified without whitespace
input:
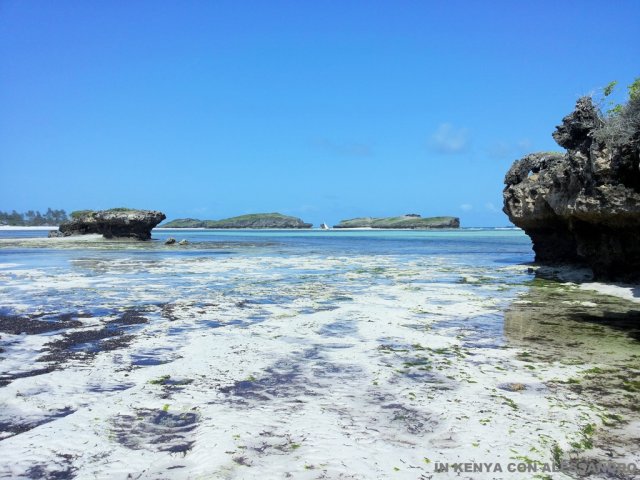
{"x":582,"y":206}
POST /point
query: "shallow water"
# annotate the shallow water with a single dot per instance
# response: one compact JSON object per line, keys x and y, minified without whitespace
{"x":305,"y":354}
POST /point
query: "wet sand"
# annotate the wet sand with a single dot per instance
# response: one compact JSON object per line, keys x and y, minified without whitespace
{"x":372,"y":366}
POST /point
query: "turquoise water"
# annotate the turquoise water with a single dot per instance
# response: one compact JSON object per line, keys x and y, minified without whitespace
{"x":141,"y":262}
{"x":499,"y":245}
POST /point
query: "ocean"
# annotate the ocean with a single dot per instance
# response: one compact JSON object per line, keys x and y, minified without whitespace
{"x":306,"y":354}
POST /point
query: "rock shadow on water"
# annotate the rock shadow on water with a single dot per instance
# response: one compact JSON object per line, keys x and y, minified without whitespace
{"x":557,"y":325}
{"x":626,"y":322}
{"x":562,"y":317}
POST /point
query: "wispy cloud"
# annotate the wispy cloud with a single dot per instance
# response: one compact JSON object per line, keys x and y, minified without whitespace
{"x":449,"y":139}
{"x":466,"y":207}
{"x":347,"y":149}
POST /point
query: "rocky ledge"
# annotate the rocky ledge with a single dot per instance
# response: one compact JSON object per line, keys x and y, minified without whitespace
{"x":410,"y":221}
{"x":583,"y":206}
{"x":254,"y":220}
{"x":114,"y":223}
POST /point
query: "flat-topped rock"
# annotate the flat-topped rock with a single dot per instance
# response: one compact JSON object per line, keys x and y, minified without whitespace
{"x":254,"y":220}
{"x":113,"y":223}
{"x":411,"y":221}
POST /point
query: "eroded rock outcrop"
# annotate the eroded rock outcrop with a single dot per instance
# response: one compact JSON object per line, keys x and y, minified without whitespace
{"x":582,"y":206}
{"x":114,"y":223}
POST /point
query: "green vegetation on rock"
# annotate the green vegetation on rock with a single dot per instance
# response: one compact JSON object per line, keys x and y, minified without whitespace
{"x":80,"y":213}
{"x":86,"y":213}
{"x":620,"y":124}
{"x":184,"y":223}
{"x":254,"y":220}
{"x":410,"y":221}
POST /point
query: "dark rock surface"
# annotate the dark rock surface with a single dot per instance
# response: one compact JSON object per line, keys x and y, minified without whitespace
{"x":114,"y":223}
{"x":582,"y":206}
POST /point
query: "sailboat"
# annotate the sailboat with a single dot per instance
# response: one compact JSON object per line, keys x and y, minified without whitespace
{"x":324,"y":226}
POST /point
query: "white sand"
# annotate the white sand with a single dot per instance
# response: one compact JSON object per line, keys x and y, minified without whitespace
{"x":382,"y":386}
{"x":625,"y":291}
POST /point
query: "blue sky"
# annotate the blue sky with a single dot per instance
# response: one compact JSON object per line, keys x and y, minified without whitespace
{"x":323,"y":110}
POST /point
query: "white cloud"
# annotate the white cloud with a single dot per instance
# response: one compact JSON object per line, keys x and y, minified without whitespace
{"x":466,"y":207}
{"x":449,"y":139}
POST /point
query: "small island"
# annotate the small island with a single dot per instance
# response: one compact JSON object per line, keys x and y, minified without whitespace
{"x":254,"y":220}
{"x":410,"y":221}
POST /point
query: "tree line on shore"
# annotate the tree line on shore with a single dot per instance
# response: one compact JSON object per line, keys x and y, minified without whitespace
{"x":33,"y":218}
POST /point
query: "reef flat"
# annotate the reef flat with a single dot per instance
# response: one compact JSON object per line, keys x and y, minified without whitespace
{"x":267,"y":363}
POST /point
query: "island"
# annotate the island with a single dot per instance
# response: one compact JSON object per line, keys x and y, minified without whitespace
{"x":583,"y":206}
{"x":253,"y":220}
{"x":112,"y":223}
{"x":410,"y":221}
